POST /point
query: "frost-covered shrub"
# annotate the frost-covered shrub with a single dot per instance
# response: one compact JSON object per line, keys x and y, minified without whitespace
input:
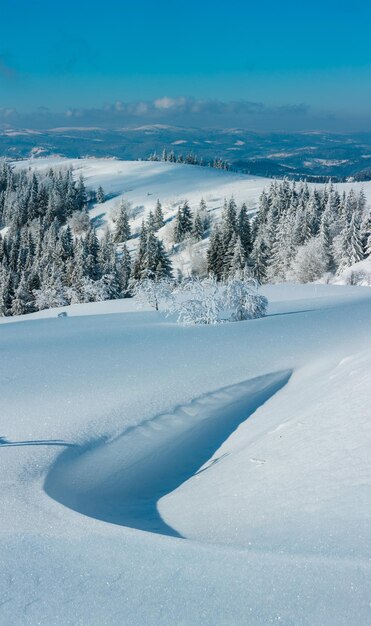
{"x":207,"y":301}
{"x":167,"y":235}
{"x":243,"y":301}
{"x":116,"y":210}
{"x":50,"y":297}
{"x":197,"y":301}
{"x":358,"y":277}
{"x":310,"y":262}
{"x":79,"y":222}
{"x":152,"y":292}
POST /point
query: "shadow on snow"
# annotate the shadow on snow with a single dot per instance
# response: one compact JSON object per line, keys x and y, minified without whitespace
{"x":5,"y":443}
{"x":121,"y":481}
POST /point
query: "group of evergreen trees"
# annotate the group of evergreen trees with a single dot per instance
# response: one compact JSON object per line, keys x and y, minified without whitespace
{"x":189,"y":159}
{"x":50,"y":254}
{"x":295,"y":227}
{"x":230,"y":242}
{"x":151,"y":261}
{"x":189,"y":225}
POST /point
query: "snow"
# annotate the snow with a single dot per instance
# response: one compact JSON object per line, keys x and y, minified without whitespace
{"x":358,"y":273}
{"x":159,"y":474}
{"x":331,"y":162}
{"x":143,"y":182}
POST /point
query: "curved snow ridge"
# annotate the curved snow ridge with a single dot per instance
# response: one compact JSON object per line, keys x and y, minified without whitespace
{"x":122,"y":480}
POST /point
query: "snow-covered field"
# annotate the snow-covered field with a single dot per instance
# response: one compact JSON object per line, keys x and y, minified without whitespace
{"x":159,"y":474}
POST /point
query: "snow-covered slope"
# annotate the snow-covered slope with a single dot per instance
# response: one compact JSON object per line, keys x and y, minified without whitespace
{"x":143,"y":182}
{"x":357,"y":274}
{"x":158,"y":474}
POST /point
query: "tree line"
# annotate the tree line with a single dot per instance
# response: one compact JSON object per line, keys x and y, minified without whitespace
{"x":190,"y":159}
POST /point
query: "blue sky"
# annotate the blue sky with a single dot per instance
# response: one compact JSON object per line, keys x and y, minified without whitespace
{"x":83,"y":55}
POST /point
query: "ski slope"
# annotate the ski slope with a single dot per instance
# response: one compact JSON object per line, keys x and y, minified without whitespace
{"x":159,"y":474}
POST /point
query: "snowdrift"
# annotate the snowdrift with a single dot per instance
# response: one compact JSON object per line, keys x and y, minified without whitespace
{"x":149,"y":461}
{"x":158,"y":474}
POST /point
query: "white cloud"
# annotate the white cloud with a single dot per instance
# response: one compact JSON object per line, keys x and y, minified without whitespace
{"x":169,"y":103}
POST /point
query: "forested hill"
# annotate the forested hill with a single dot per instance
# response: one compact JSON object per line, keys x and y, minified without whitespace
{"x":54,"y":251}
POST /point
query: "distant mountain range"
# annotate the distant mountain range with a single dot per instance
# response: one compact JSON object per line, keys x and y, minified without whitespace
{"x":297,"y":155}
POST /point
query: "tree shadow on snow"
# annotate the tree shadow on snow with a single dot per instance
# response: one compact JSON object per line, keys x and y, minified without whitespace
{"x":5,"y":443}
{"x":291,"y":312}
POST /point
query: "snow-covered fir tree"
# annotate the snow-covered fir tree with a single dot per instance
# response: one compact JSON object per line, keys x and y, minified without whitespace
{"x":122,"y":225}
{"x":151,"y":260}
{"x":100,"y":195}
{"x":159,"y":221}
{"x":197,"y":227}
{"x":183,"y":223}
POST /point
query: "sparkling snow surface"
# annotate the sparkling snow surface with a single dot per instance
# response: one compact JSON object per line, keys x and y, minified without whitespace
{"x":159,"y":474}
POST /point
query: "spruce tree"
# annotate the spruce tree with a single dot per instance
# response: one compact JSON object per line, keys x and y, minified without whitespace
{"x":150,"y":256}
{"x":159,"y":216}
{"x":122,"y":227}
{"x":215,"y":255}
{"x":238,"y":262}
{"x":178,"y":227}
{"x":6,"y":292}
{"x":23,"y":301}
{"x":151,"y":223}
{"x":259,"y":258}
{"x":244,"y":230}
{"x":124,"y":271}
{"x":197,"y":228}
{"x":81,"y":197}
{"x":205,"y":218}
{"x":229,"y":222}
{"x":138,"y":266}
{"x":351,"y":244}
{"x":100,"y":195}
{"x":163,"y":267}
{"x":325,"y":239}
{"x":228,"y":256}
{"x":186,"y":219}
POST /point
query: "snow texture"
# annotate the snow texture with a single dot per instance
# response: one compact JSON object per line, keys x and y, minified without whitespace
{"x":159,"y":474}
